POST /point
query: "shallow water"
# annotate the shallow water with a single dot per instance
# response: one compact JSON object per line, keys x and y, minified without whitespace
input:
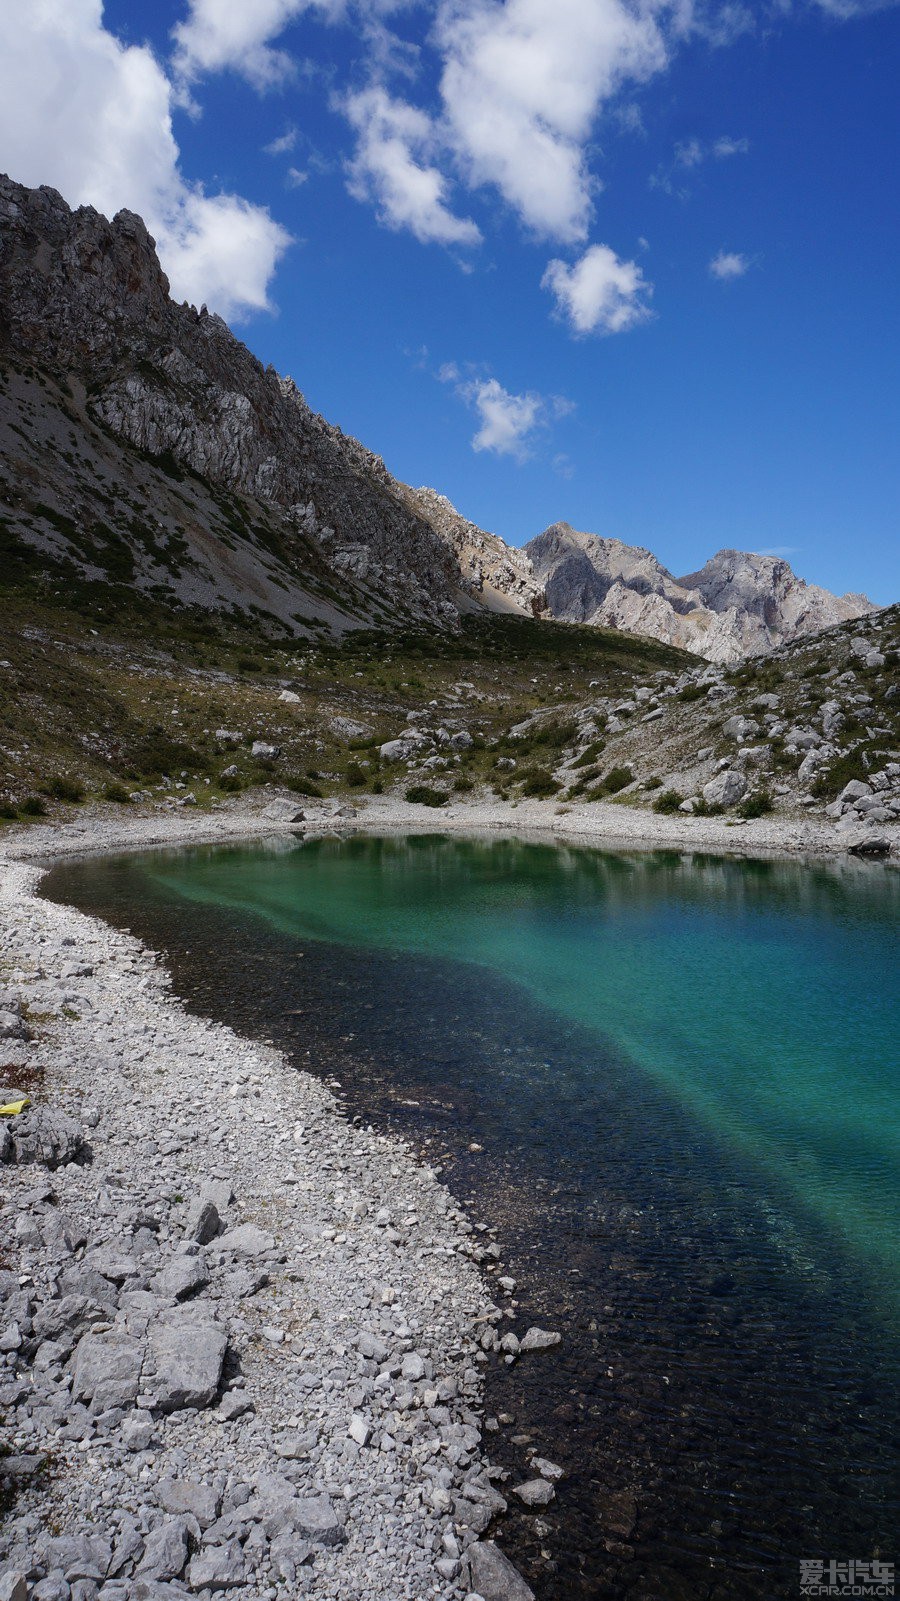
{"x":682,"y":1075}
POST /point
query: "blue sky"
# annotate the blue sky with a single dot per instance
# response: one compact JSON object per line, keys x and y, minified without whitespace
{"x":634,"y":267}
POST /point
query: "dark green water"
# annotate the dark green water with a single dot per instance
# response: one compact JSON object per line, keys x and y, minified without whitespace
{"x":682,"y":1073}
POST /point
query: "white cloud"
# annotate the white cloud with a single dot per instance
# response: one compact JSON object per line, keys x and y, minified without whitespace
{"x":729,"y":264}
{"x":507,"y":422}
{"x":599,"y":293}
{"x":92,"y":117}
{"x":725,"y":147}
{"x":296,"y":178}
{"x":391,"y":168}
{"x":522,"y":84}
{"x":283,"y":145}
{"x":234,"y":34}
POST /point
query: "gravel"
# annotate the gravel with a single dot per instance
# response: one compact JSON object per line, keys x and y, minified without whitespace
{"x":241,"y":1340}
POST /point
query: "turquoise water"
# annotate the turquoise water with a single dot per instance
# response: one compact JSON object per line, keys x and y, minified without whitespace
{"x":671,"y":1083}
{"x":764,"y":997}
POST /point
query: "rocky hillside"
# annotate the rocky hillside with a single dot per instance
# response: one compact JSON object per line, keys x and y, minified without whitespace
{"x":738,"y":605}
{"x":811,"y":729}
{"x":501,"y":576}
{"x":145,"y":450}
{"x":143,"y":444}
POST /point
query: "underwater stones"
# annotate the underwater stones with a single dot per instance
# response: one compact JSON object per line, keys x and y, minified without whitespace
{"x":536,"y":1339}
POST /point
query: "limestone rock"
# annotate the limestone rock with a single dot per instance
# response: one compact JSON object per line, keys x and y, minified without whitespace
{"x":45,"y":1135}
{"x":738,"y":605}
{"x":188,"y":1357}
{"x":492,"y":1575}
{"x":726,"y":789}
{"x":284,"y":810}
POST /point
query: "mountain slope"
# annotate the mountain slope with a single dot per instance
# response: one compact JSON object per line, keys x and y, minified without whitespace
{"x":145,"y":442}
{"x":738,"y":605}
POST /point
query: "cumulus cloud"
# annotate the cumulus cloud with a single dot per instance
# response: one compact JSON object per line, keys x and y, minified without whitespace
{"x":283,"y":144}
{"x":392,"y":168}
{"x":599,"y":293}
{"x":507,"y":422}
{"x":521,"y":86}
{"x":91,"y":116}
{"x":729,"y":264}
{"x":231,"y":34}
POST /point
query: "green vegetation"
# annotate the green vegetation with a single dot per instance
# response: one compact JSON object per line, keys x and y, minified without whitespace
{"x":617,"y":778}
{"x":63,"y":788}
{"x":668,"y":801}
{"x":539,"y":781}
{"x":756,"y":805}
{"x":424,"y":795}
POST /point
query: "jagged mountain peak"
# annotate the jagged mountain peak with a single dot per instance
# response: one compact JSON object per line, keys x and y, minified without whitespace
{"x":739,"y":603}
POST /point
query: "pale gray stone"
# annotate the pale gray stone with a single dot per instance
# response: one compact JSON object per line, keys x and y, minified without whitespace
{"x":534,"y":1492}
{"x":166,"y":1550}
{"x":493,"y":1576}
{"x":202,"y":1221}
{"x":188,"y":1358}
{"x":218,"y":1567}
{"x":107,"y":1368}
{"x":726,"y":789}
{"x":182,"y":1277}
{"x":536,"y":1339}
{"x":188,"y":1496}
{"x":246,"y":1239}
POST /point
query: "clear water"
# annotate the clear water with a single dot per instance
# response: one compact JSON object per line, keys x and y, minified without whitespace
{"x":682,"y":1072}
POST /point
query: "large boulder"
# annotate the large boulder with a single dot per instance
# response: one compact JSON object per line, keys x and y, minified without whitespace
{"x":187,"y":1354}
{"x":45,"y":1135}
{"x":492,"y":1575}
{"x":726,"y":789}
{"x":107,"y":1369}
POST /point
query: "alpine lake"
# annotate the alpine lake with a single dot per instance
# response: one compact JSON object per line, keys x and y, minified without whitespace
{"x":670,"y":1083}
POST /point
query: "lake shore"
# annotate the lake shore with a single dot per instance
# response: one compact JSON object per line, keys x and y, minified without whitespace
{"x":242,"y":1339}
{"x":602,"y":825}
{"x":278,"y":1315}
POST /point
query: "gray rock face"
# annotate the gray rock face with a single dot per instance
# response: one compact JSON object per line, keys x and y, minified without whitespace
{"x":187,"y":1357}
{"x":83,"y":296}
{"x":107,"y":1369}
{"x":42,"y":1134}
{"x":738,"y":605}
{"x":726,"y":789}
{"x":492,"y":1575}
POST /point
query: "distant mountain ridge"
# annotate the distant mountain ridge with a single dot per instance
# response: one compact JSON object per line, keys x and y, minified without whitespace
{"x":739,"y":604}
{"x":142,"y":444}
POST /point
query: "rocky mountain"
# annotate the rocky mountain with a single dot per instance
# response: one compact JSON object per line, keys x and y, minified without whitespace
{"x":143,"y":443}
{"x":500,"y":575}
{"x":143,"y":446}
{"x":739,"y":604}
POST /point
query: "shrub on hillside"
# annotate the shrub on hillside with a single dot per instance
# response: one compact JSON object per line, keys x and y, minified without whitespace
{"x":538,"y":782}
{"x":424,"y":795}
{"x":668,"y":801}
{"x":755,"y":805}
{"x":617,"y":778}
{"x":66,"y":789}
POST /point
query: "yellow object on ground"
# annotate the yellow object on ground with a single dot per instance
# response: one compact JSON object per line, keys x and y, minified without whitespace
{"x":13,"y":1108}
